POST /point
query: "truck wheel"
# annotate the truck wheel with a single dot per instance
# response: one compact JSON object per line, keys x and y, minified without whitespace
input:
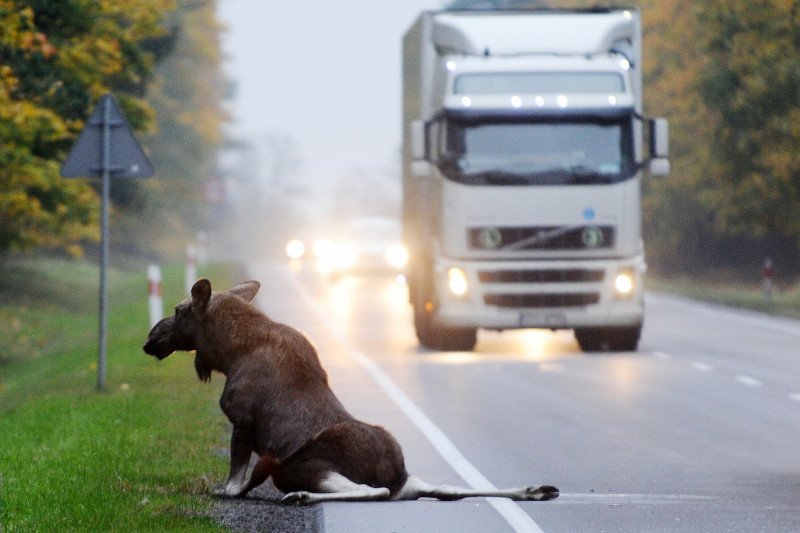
{"x":610,"y":339}
{"x":443,"y":338}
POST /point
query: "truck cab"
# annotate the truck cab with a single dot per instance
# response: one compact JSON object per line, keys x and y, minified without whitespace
{"x":524,"y":147}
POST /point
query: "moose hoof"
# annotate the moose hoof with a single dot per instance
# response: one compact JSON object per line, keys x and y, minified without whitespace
{"x":301,"y":497}
{"x":222,"y":492}
{"x":542,"y":493}
{"x":230,"y":491}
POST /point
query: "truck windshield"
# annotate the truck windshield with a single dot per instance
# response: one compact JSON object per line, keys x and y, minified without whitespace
{"x":551,"y":152}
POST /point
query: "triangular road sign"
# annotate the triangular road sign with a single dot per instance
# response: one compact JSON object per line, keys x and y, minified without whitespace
{"x":126,"y":157}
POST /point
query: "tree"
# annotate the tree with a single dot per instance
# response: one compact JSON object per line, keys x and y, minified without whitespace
{"x":56,"y":60}
{"x":33,"y":208}
{"x":753,"y":85}
{"x":678,"y":221}
{"x":186,"y":94}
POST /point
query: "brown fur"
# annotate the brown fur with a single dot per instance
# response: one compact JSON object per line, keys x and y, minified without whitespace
{"x":277,"y":398}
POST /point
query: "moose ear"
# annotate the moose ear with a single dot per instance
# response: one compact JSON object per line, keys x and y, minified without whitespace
{"x":201,"y":294}
{"x":246,"y":290}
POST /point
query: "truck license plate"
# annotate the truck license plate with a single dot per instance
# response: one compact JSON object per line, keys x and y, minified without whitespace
{"x":542,"y":319}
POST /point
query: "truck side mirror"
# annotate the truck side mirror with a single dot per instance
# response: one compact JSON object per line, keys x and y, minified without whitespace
{"x":659,"y":138}
{"x":418,"y":144}
{"x":659,"y":147}
{"x":659,"y":166}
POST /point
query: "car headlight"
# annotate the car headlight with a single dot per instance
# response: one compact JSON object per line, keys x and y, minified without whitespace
{"x":457,"y":281}
{"x":323,"y":248}
{"x":295,"y":249}
{"x":397,"y":256}
{"x":343,"y":256}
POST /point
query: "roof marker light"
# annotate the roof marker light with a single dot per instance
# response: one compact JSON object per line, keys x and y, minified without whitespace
{"x":627,"y":14}
{"x":562,"y":101}
{"x":451,"y":65}
{"x":625,"y":64}
{"x":516,"y":101}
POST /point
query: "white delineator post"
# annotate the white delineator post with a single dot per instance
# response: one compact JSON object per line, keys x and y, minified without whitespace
{"x":191,"y":267}
{"x":154,"y":297}
{"x":202,"y":248}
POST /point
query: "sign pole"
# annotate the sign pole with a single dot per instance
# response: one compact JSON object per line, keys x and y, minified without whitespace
{"x":106,"y":185}
{"x":105,"y":145}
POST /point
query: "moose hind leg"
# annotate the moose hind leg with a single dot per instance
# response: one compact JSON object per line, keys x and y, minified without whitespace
{"x":416,"y":488}
{"x":336,"y":487}
{"x":263,"y":469}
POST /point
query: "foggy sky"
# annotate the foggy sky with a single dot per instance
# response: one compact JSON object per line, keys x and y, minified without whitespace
{"x":326,"y":74}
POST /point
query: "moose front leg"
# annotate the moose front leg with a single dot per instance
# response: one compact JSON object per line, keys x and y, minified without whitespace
{"x":241,"y":450}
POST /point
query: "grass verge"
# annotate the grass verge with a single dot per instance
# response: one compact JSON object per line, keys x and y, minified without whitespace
{"x":785,"y":301}
{"x":136,"y":457}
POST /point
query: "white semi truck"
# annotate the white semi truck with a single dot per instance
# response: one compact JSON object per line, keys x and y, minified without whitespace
{"x":524,"y":146}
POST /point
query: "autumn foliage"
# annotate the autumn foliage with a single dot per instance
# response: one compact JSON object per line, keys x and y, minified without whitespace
{"x":56,"y":60}
{"x":727,"y":77}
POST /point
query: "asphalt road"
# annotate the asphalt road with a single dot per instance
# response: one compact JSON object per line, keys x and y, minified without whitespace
{"x":697,"y":431}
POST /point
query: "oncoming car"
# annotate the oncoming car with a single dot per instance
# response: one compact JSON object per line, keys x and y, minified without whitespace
{"x":368,"y":245}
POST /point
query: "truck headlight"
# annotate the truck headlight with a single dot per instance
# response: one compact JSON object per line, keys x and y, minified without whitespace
{"x":624,"y":283}
{"x":457,"y":281}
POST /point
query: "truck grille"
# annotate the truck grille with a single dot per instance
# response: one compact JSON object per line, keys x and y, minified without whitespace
{"x":542,"y":300}
{"x":574,"y":275}
{"x":542,"y":238}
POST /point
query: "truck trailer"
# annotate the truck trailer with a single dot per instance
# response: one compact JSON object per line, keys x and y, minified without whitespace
{"x":524,"y":146}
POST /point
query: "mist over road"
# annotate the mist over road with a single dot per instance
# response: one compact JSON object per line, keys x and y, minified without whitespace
{"x":697,"y":431}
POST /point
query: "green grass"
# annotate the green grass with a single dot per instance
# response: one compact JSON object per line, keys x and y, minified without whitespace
{"x":785,"y":300}
{"x":137,"y":457}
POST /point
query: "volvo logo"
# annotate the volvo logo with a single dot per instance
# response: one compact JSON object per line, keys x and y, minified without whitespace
{"x":490,"y":238}
{"x":592,"y":237}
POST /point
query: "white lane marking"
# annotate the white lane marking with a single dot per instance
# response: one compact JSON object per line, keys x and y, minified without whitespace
{"x":748,"y":381}
{"x":512,"y":513}
{"x":551,"y":367}
{"x":637,"y":499}
{"x":742,"y":379}
{"x":702,"y":367}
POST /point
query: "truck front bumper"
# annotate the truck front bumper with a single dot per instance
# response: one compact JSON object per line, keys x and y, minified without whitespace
{"x":560,"y":294}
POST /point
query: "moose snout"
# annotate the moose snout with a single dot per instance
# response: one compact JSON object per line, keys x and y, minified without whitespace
{"x":150,"y":347}
{"x":155,"y":348}
{"x":158,"y":344}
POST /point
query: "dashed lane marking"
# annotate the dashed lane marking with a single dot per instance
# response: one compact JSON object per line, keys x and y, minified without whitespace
{"x":702,"y":367}
{"x":748,"y":381}
{"x":742,"y":379}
